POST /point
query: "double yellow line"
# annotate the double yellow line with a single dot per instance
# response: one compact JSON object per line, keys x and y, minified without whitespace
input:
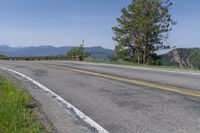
{"x":131,"y":81}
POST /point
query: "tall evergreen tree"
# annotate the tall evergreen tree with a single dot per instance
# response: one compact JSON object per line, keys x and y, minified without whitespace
{"x":143,"y":27}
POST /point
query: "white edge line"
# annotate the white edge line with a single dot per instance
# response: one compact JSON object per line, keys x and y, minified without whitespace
{"x":84,"y":117}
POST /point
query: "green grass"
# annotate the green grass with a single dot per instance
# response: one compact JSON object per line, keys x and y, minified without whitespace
{"x":15,"y":117}
{"x":142,"y":65}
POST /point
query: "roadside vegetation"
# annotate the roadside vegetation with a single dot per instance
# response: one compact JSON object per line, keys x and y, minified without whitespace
{"x":128,"y":63}
{"x":15,"y":117}
{"x":142,"y":30}
{"x":78,"y":52}
{"x":3,"y":57}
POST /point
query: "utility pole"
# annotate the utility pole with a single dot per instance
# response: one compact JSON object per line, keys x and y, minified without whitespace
{"x":83,"y":42}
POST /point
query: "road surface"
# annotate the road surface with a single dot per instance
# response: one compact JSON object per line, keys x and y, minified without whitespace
{"x":120,"y":99}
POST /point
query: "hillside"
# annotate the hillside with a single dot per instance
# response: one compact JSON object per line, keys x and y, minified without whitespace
{"x":97,"y":52}
{"x":182,"y":57}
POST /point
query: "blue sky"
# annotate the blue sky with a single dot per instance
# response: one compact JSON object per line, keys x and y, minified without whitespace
{"x":68,"y":22}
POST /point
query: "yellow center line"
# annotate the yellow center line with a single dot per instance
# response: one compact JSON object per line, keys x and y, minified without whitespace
{"x":132,"y":81}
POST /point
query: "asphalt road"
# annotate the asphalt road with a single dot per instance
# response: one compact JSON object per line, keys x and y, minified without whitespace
{"x":118,"y":106}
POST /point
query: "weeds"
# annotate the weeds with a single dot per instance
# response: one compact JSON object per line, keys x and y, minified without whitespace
{"x":15,"y":117}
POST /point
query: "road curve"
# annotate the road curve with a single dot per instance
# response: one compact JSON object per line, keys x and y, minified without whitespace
{"x":117,"y":105}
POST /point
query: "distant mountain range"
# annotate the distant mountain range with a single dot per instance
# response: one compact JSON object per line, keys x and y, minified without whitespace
{"x":97,"y":52}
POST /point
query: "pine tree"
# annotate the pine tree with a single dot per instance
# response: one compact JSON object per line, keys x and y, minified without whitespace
{"x":143,"y":27}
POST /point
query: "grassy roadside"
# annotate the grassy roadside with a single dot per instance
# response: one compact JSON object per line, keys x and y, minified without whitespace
{"x":143,"y":65}
{"x":15,"y":117}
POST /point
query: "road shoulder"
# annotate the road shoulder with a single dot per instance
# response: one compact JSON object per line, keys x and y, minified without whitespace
{"x":54,"y":116}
